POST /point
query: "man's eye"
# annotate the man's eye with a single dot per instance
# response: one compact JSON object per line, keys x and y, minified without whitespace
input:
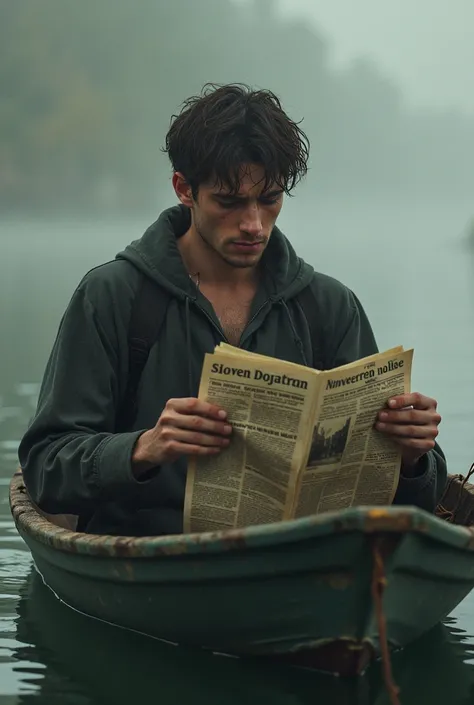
{"x":263,"y":201}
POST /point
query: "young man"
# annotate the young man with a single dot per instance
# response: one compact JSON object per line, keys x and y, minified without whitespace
{"x":213,"y":268}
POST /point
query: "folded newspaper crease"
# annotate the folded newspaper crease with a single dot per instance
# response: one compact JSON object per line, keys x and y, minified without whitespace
{"x":303,"y":440}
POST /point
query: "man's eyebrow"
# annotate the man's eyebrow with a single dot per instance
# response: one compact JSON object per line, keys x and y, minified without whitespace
{"x":228,"y":196}
{"x":240,"y":197}
{"x":272,"y":194}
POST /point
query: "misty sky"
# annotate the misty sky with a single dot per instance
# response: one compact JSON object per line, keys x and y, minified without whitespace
{"x":427,"y":45}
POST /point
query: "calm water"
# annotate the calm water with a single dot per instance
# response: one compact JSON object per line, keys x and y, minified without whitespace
{"x":415,"y":278}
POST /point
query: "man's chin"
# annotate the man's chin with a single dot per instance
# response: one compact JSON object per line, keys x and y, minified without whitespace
{"x":243,"y":262}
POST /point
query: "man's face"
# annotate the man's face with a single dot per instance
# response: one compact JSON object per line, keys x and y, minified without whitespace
{"x":238,"y":227}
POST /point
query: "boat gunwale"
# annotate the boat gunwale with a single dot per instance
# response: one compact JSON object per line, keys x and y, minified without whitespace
{"x":369,"y":520}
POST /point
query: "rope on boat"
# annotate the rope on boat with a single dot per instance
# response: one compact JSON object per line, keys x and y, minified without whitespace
{"x":379,"y":582}
{"x":450,"y":514}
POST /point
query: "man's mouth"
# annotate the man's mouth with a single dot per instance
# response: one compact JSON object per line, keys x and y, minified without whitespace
{"x":248,"y":245}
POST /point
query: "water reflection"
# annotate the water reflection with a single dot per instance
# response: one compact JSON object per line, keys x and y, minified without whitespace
{"x":62,"y":652}
{"x":115,"y":666}
{"x":437,"y":669}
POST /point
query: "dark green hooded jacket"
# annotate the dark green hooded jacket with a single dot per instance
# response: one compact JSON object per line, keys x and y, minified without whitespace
{"x":73,"y":458}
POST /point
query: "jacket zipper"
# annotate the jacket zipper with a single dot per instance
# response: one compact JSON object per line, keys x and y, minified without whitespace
{"x":214,"y":324}
{"x":255,"y":315}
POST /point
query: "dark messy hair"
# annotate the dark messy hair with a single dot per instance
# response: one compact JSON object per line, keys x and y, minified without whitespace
{"x":226,"y":126}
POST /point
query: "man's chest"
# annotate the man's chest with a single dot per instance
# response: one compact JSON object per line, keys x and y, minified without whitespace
{"x":233,"y":318}
{"x":233,"y":313}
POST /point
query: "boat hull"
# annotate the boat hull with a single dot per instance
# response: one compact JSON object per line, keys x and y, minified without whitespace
{"x":299,"y":591}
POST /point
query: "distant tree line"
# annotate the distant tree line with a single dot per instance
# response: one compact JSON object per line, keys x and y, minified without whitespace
{"x":88,"y":89}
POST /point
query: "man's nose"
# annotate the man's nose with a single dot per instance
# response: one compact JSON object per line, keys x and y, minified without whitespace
{"x":251,"y":222}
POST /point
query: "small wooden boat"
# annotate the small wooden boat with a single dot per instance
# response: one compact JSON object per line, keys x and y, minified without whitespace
{"x":328,"y":592}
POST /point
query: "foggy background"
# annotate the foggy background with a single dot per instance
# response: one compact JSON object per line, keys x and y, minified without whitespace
{"x":383,"y":91}
{"x":426,"y":46}
{"x":88,"y":90}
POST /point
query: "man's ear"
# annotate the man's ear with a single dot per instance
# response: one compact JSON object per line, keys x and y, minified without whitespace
{"x":182,"y":189}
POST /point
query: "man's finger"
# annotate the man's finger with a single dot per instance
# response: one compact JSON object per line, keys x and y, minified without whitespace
{"x":198,"y":407}
{"x":407,"y":431}
{"x":180,"y":435}
{"x":415,"y":399}
{"x":416,"y":417}
{"x":172,"y":419}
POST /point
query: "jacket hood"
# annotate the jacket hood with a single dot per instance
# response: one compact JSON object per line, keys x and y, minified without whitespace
{"x":156,"y":254}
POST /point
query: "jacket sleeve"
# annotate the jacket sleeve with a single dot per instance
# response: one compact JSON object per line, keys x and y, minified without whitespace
{"x":356,"y":340}
{"x":70,"y":456}
{"x":425,"y":490}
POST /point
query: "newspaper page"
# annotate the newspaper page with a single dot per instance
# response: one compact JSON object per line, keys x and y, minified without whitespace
{"x":253,"y":480}
{"x":349,"y":462}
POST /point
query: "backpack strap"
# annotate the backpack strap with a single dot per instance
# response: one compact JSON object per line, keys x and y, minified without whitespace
{"x":148,"y":313}
{"x":309,"y":304}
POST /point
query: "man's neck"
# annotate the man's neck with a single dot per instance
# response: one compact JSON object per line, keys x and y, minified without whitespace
{"x":201,"y":260}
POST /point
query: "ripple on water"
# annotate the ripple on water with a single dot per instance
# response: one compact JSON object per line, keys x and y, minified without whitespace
{"x":14,"y":566}
{"x":22,"y":678}
{"x":8,"y":634}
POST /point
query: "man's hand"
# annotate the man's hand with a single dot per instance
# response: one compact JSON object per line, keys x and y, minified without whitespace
{"x":186,"y":427}
{"x":414,"y":428}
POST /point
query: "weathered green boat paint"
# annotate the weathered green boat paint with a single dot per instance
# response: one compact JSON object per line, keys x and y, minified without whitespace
{"x":298,"y":590}
{"x":123,"y":667}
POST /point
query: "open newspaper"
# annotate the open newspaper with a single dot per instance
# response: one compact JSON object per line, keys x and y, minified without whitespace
{"x":303,"y":440}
